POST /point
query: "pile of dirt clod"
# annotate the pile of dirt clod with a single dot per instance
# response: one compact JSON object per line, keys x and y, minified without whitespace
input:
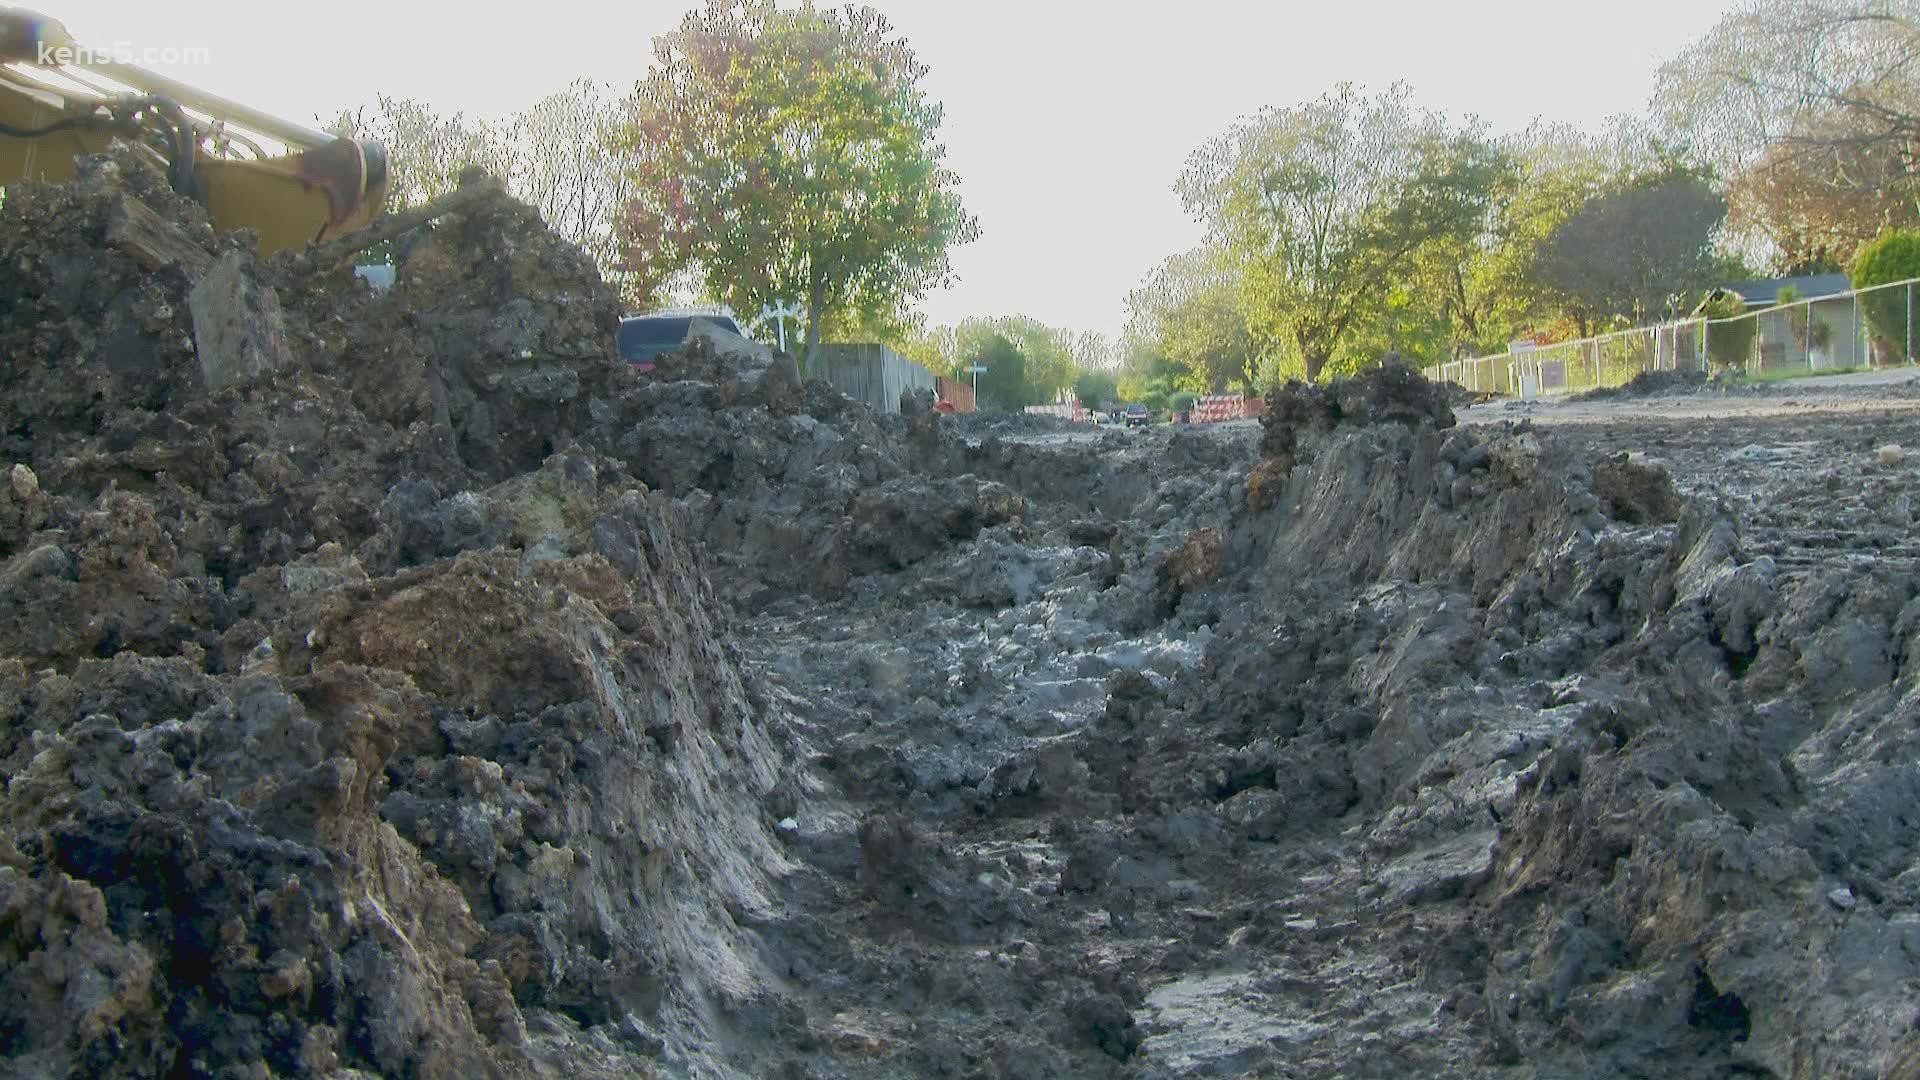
{"x":983,"y":424}
{"x":1649,"y":384}
{"x":1391,"y":392}
{"x":364,"y":716}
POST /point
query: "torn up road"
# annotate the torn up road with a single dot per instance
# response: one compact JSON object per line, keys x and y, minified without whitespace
{"x":429,"y":694}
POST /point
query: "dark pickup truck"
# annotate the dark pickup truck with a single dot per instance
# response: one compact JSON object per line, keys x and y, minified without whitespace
{"x":1137,"y":416}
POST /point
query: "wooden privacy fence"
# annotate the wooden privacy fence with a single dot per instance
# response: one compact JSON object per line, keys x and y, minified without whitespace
{"x":955,"y":393}
{"x":874,"y":374}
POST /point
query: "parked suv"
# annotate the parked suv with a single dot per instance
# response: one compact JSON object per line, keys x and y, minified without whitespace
{"x":1138,"y":416}
{"x":642,"y":338}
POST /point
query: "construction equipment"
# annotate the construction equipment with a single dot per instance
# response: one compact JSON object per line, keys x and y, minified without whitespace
{"x":290,"y":184}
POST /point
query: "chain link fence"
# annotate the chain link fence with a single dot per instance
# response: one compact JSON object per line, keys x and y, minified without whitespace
{"x":1845,"y":331}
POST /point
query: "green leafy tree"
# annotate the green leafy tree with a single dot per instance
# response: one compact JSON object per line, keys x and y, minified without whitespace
{"x":1730,"y":343}
{"x":1482,"y":288}
{"x":1893,"y":256}
{"x":1193,"y":309}
{"x":1326,"y":205}
{"x":792,"y":154}
{"x":931,"y":347}
{"x":1049,"y":351}
{"x":1625,"y":253}
{"x":1048,"y":369}
{"x":1096,"y":389}
{"x":1003,"y":386}
{"x":1809,"y":331}
{"x":1149,"y":374}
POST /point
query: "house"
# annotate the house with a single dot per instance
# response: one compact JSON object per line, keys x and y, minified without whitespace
{"x":1824,"y":332}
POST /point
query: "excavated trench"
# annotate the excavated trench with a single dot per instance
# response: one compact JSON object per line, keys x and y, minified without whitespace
{"x":449,"y":700}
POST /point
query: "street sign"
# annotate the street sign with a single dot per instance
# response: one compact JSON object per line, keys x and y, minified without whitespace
{"x":976,"y":369}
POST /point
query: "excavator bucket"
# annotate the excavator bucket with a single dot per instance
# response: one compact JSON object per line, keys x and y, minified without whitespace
{"x":291,"y":185}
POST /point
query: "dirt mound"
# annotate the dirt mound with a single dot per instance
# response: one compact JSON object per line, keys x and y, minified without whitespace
{"x":354,"y":721}
{"x":1391,"y":392}
{"x":987,"y":424}
{"x":1649,"y":384}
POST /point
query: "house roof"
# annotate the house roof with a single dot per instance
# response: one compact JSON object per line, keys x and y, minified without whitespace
{"x":1766,"y":293}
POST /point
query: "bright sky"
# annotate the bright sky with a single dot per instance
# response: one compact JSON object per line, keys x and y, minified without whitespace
{"x":1067,"y":122}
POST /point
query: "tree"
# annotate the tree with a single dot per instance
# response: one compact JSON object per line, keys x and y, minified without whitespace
{"x":1148,"y":375}
{"x":1893,"y":256}
{"x":1048,"y":369}
{"x":426,"y":152}
{"x":1090,"y":350}
{"x":787,"y":155}
{"x":1482,"y":290}
{"x":1096,"y":389}
{"x":1629,"y":252}
{"x":1813,"y":107}
{"x":1004,"y":384}
{"x":560,"y":156}
{"x":1814,"y":212}
{"x":931,"y":347}
{"x":569,"y":163}
{"x":1193,"y":310}
{"x":1729,"y":343}
{"x":1326,"y":203}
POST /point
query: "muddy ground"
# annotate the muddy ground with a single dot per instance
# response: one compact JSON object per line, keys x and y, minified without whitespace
{"x":453,"y":701}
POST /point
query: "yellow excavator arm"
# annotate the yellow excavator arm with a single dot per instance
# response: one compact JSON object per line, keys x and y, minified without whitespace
{"x":291,"y":184}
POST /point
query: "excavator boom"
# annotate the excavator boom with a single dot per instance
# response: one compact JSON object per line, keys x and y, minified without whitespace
{"x":290,"y":184}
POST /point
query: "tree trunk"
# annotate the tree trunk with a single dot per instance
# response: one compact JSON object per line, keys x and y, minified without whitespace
{"x":1316,"y":361}
{"x":816,"y":301}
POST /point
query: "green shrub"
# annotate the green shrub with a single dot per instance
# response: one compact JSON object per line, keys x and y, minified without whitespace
{"x":1182,"y":401}
{"x":1729,"y":344}
{"x":1894,"y":255}
{"x":1800,"y":321}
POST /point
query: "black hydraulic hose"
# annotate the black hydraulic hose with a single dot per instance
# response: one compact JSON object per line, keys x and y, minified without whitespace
{"x":177,"y":146}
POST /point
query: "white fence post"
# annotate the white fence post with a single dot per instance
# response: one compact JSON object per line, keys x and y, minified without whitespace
{"x":1807,"y":317}
{"x":1860,"y":339}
